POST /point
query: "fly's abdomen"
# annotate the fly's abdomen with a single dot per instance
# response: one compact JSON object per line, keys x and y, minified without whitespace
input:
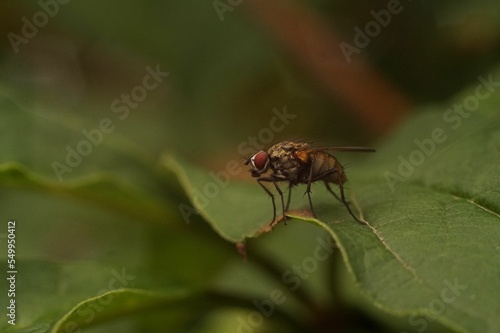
{"x":327,"y":168}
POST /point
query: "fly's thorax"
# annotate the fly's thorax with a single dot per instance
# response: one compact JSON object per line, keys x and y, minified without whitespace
{"x":286,"y":165}
{"x":286,"y":150}
{"x":284,"y":160}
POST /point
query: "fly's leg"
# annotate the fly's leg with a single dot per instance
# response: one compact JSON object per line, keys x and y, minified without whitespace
{"x":272,"y":180}
{"x":342,"y":199}
{"x":334,"y":194}
{"x":327,"y":174}
{"x":281,"y":197}
{"x":324,"y":175}
{"x":289,"y":197}
{"x":308,"y":190}
{"x":260,"y":180}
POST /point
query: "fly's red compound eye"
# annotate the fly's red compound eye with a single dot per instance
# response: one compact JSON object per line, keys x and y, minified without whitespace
{"x":260,"y":161}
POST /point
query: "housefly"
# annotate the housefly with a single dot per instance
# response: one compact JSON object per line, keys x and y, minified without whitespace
{"x":298,"y":163}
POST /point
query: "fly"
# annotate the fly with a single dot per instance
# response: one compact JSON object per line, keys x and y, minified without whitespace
{"x":298,"y":163}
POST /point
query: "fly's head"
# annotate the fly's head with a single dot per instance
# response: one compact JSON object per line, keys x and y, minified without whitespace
{"x":259,"y":162}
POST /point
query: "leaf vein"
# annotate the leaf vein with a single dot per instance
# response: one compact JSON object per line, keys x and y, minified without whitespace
{"x":405,"y":265}
{"x":482,"y":207}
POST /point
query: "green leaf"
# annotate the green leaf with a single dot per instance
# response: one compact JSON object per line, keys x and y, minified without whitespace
{"x":103,"y":190}
{"x":226,"y":208}
{"x":114,"y":304}
{"x":431,"y":199}
{"x":54,"y":297}
{"x":114,"y":173}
